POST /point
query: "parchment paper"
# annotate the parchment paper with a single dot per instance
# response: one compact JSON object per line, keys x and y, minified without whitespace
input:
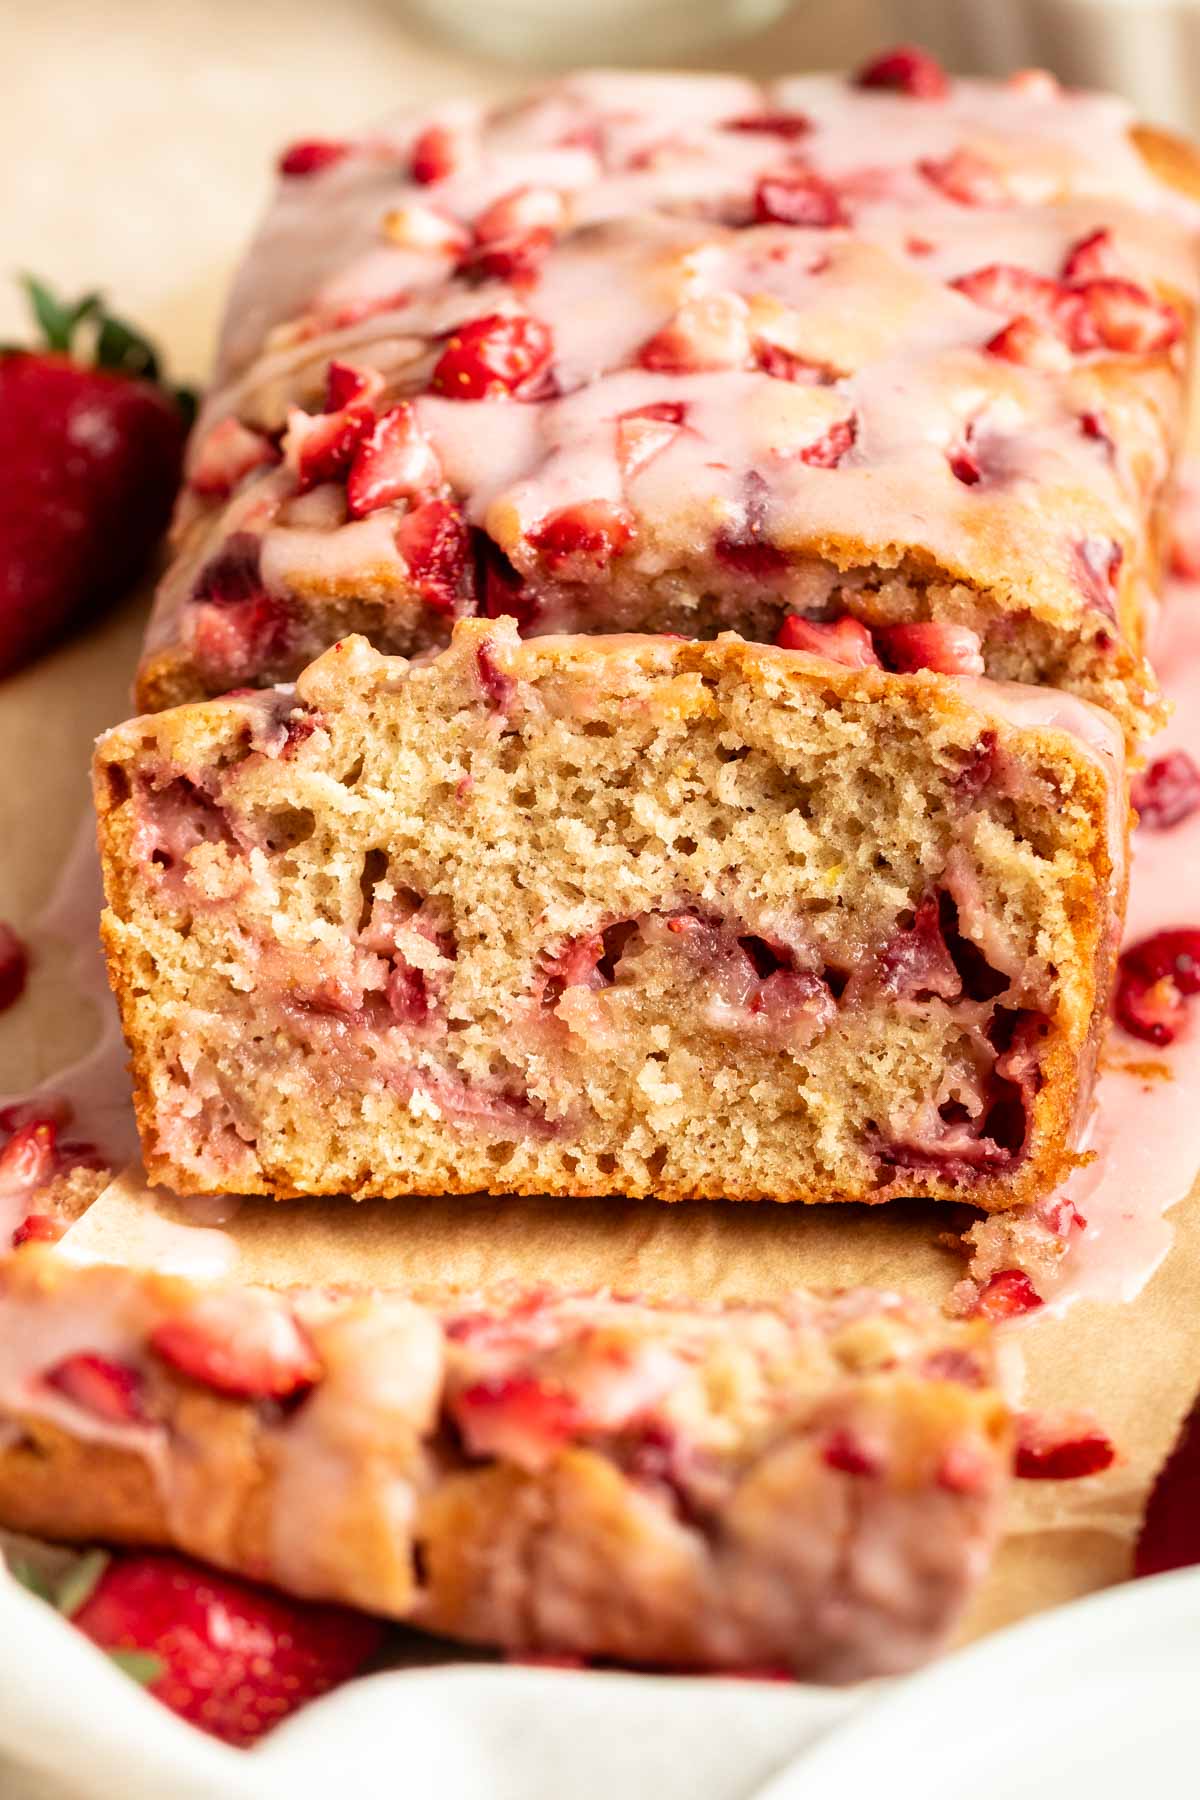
{"x":150,"y":186}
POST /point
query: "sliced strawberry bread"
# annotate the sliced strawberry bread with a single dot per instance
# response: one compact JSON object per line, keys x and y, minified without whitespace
{"x":811,"y":1486}
{"x":683,"y":353}
{"x":613,"y":915}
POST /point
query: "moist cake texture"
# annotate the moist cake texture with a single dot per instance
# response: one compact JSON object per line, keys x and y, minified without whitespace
{"x":613,"y":915}
{"x":647,"y":352}
{"x":812,"y":1485}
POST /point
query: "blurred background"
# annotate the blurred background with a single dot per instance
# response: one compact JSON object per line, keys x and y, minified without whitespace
{"x":136,"y":137}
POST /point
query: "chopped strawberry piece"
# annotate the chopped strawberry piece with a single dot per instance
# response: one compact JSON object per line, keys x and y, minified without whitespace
{"x":708,"y":333}
{"x":109,"y":1390}
{"x":236,"y":1660}
{"x":1170,"y":1534}
{"x":750,"y":555}
{"x":408,"y":994}
{"x":237,"y":642}
{"x":1031,"y":345}
{"x":784,"y":365}
{"x":964,"y":464}
{"x":226,"y":456}
{"x":498,"y":686}
{"x":413,"y":226}
{"x":931,"y":644}
{"x":524,"y":210}
{"x":435,"y":544}
{"x":844,"y":1451}
{"x":906,"y":70}
{"x":517,"y":259}
{"x":1007,"y":288}
{"x":1094,"y":425}
{"x":502,"y":592}
{"x":968,"y":178}
{"x":787,"y":125}
{"x":394,"y":461}
{"x":14,"y":967}
{"x":38,"y":1228}
{"x":492,"y":356}
{"x":1061,"y":1447}
{"x":1154,"y":978}
{"x":640,"y":438}
{"x":1120,"y":316}
{"x":1097,"y":563}
{"x":797,"y":197}
{"x":30,"y":1157}
{"x":1006,"y":1295}
{"x":312,"y":155}
{"x":516,"y":1418}
{"x":843,"y":640}
{"x":1034,"y":84}
{"x":436,"y":154}
{"x":1168,"y":792}
{"x":321,"y":448}
{"x":836,"y":441}
{"x":1093,"y":258}
{"x":245,"y":1343}
{"x":667,"y":412}
{"x":346,"y":385}
{"x":578,"y":542}
{"x":916,"y":963}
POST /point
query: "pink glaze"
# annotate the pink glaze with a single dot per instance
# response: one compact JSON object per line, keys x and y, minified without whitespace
{"x":1144,"y":1129}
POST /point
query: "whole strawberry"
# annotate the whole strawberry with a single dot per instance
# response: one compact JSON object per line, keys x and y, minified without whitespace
{"x":90,"y":458}
{"x":224,"y":1654}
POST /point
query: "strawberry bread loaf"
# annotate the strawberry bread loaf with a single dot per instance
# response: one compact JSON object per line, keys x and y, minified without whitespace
{"x":811,"y":1485}
{"x":894,"y":363}
{"x":628,"y":915}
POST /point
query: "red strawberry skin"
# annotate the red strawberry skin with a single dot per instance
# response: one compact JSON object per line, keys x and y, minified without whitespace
{"x":1170,"y":1534}
{"x":89,"y":464}
{"x":236,"y":1659}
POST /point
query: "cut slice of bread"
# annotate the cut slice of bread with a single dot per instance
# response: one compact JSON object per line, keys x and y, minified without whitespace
{"x":613,"y":915}
{"x":812,"y":1485}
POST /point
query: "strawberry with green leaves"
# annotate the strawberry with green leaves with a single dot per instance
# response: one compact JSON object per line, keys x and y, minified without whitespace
{"x":91,"y":448}
{"x":227,"y":1656}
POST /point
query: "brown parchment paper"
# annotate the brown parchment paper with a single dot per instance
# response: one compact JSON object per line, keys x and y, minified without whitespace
{"x":147,"y":178}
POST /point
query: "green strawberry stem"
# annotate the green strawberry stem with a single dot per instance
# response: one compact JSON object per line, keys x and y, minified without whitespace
{"x":71,"y":1592}
{"x":115,"y":344}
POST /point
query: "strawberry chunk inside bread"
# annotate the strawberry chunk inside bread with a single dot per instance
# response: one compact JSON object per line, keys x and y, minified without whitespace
{"x":812,"y":1484}
{"x":613,"y":915}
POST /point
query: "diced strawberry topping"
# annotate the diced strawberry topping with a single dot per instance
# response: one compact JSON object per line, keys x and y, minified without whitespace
{"x":835,"y":442}
{"x":109,"y":1390}
{"x":436,"y":154}
{"x":787,"y":125}
{"x":393,"y":461}
{"x":1061,"y":1447}
{"x":232,"y":1658}
{"x":515,"y":215}
{"x":578,"y":542}
{"x":38,"y":1228}
{"x":435,"y":544}
{"x":14,"y":967}
{"x":516,"y":1418}
{"x":1093,"y":258}
{"x":321,"y":448}
{"x":968,"y":178}
{"x":906,"y":70}
{"x":1031,"y":345}
{"x":1120,"y":316}
{"x":30,"y":1157}
{"x":931,"y":644}
{"x":235,"y":642}
{"x":1154,"y":979}
{"x":414,"y":226}
{"x":312,"y":155}
{"x":227,"y":455}
{"x":846,"y":1452}
{"x":749,"y":550}
{"x":1170,"y":1534}
{"x":642,"y":435}
{"x":492,"y":356}
{"x":1167,"y":792}
{"x":502,"y":591}
{"x":784,"y":365}
{"x":843,"y":640}
{"x":1094,"y":425}
{"x":797,"y":197}
{"x":1006,"y":1295}
{"x":517,"y":259}
{"x":245,"y":1343}
{"x":1097,"y":563}
{"x":1009,"y":289}
{"x":964,"y":464}
{"x":707,"y":333}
